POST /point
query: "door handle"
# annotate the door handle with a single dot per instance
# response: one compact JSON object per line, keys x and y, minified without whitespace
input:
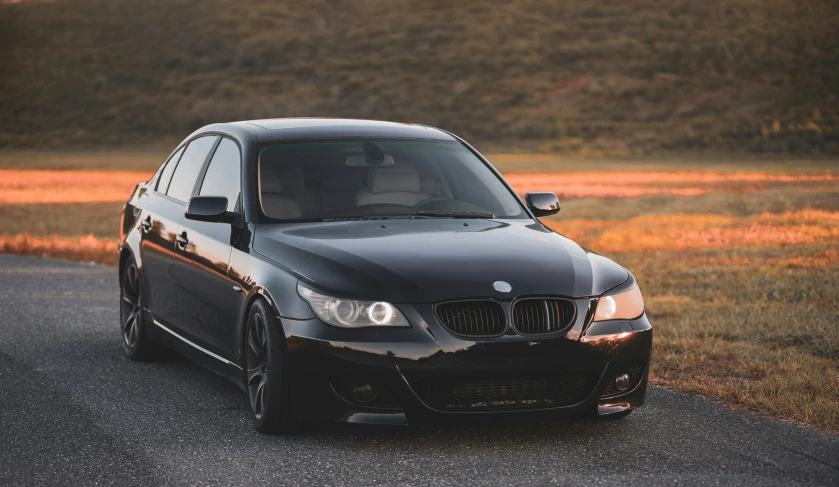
{"x":182,"y":240}
{"x":147,"y":224}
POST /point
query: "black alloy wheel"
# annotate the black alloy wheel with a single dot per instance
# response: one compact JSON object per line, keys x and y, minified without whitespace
{"x":257,"y":364}
{"x":266,"y":374}
{"x":137,"y":346}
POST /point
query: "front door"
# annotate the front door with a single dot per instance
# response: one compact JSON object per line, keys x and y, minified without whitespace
{"x":203,"y":286}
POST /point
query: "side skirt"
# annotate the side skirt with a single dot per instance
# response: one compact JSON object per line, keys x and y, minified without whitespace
{"x":198,"y":354}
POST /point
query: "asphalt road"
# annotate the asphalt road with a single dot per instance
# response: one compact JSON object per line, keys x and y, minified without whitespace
{"x":74,"y":411}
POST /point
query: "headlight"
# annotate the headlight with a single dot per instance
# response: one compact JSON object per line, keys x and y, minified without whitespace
{"x":349,"y":313}
{"x":627,"y":305}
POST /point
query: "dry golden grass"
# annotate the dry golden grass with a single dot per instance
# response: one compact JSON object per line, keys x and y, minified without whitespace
{"x":741,"y":287}
{"x":88,"y":248}
{"x":25,"y":186}
{"x":625,"y":184}
{"x":751,"y":327}
{"x":682,"y":232}
{"x":74,"y":219}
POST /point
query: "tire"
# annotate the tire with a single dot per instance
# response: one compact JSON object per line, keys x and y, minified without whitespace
{"x":135,"y":341}
{"x":266,"y":372}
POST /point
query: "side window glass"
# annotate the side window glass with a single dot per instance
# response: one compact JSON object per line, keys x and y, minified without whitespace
{"x":168,"y":169}
{"x":183,"y":181}
{"x":223,"y":177}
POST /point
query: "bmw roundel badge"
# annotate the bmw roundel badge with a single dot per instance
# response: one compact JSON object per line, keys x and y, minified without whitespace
{"x":502,"y":287}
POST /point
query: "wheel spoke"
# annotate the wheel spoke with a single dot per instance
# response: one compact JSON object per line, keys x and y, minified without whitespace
{"x":256,"y":339}
{"x":133,"y":335}
{"x":129,"y":329}
{"x":129,"y":322}
{"x":129,"y":300}
{"x":129,"y":279}
{"x":259,"y":404}
{"x":255,"y":348}
{"x":255,"y":373}
{"x":257,"y":396}
{"x":262,"y":333}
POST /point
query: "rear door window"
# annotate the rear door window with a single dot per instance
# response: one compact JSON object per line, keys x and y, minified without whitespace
{"x":223,"y":177}
{"x":183,"y":180}
{"x":168,"y":169}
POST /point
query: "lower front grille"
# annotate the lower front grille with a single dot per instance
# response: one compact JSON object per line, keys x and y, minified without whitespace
{"x":472,"y":394}
{"x":636,"y":374}
{"x":540,"y":316}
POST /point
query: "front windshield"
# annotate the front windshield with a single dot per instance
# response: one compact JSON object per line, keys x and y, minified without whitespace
{"x":372,"y":178}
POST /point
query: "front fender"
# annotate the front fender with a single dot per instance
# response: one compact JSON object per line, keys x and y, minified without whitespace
{"x":260,"y":277}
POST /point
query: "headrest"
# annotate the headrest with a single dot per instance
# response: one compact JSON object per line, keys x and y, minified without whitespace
{"x":269,"y":181}
{"x":274,"y":179}
{"x":401,"y":177}
{"x":342,"y":179}
{"x":292,"y":181}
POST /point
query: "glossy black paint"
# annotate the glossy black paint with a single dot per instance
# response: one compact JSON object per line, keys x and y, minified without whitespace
{"x":211,"y":209}
{"x":542,"y":204}
{"x":202,"y":276}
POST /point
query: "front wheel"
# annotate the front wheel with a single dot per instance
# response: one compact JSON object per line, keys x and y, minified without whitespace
{"x":266,"y":375}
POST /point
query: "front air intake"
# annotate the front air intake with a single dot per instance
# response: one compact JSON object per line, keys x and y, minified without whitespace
{"x":504,"y":393}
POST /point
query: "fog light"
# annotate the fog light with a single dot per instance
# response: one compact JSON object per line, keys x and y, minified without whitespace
{"x":622,"y":382}
{"x":364,"y":393}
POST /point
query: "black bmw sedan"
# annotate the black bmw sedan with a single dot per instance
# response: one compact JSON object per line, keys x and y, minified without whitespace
{"x":372,"y":272}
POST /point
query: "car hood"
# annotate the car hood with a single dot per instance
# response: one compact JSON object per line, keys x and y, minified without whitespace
{"x":429,"y":260}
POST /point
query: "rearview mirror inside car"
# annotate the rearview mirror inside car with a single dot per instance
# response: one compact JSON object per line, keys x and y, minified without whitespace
{"x":209,"y":209}
{"x":542,"y":204}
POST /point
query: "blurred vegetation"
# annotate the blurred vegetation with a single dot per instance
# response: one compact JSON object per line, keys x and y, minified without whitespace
{"x":586,"y":77}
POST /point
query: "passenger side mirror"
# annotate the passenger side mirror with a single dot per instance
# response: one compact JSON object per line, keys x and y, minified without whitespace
{"x":209,"y":209}
{"x":542,"y":204}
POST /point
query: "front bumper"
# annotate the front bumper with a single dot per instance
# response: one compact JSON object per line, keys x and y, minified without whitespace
{"x":404,"y":364}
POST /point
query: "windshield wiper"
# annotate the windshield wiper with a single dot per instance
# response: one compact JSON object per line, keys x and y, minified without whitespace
{"x":411,"y":216}
{"x":367,"y":217}
{"x":455,"y":214}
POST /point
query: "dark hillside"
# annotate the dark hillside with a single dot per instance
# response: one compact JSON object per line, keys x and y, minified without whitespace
{"x":630,"y":76}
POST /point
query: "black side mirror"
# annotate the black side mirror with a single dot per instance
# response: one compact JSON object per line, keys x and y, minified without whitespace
{"x":209,"y":209}
{"x":542,"y":204}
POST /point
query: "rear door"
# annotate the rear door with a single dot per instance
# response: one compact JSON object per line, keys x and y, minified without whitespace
{"x":165,"y":211}
{"x":202,"y":284}
{"x":160,"y":219}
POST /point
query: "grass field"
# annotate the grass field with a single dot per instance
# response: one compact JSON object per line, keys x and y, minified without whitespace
{"x":738,"y":262}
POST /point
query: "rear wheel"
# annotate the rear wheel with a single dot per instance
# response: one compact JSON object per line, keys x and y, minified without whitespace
{"x":136,"y":344}
{"x":266,"y":373}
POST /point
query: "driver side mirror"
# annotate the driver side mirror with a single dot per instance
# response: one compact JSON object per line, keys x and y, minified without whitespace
{"x":209,"y":209}
{"x":542,"y":204}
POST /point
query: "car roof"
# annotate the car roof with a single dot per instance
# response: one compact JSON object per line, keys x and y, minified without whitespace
{"x":326,"y":128}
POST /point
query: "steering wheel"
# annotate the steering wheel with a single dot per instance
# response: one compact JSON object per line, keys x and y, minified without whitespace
{"x":422,"y":204}
{"x":380,"y":206}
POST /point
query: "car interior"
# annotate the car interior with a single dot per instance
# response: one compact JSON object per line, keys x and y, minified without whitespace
{"x":292,"y":191}
{"x":335,"y":179}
